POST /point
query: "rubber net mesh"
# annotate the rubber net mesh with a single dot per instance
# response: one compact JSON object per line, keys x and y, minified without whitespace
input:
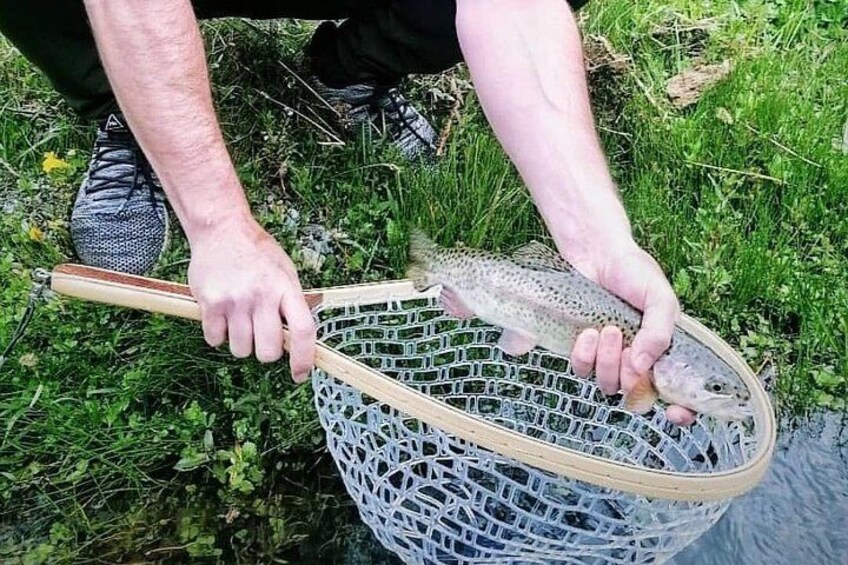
{"x":433,"y":498}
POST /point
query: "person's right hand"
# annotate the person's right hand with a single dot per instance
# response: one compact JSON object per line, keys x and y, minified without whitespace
{"x":630,"y":272}
{"x":247,"y":287}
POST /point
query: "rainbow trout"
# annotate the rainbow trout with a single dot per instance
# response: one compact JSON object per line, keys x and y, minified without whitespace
{"x":539,"y":299}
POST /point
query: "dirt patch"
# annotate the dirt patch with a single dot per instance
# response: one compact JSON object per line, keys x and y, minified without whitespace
{"x":687,"y":87}
{"x":608,"y":76}
{"x":599,"y":54}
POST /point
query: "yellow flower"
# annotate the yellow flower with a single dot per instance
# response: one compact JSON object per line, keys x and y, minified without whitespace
{"x":35,"y":234}
{"x":52,"y":162}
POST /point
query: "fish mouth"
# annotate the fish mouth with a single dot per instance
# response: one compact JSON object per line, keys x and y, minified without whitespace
{"x":722,"y":406}
{"x":725,"y":407}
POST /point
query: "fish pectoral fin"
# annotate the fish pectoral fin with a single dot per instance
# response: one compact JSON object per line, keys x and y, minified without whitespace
{"x":515,"y":342}
{"x":641,"y":397}
{"x":454,"y":305}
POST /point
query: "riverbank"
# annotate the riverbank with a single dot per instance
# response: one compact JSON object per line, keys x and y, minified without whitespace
{"x":125,"y":437}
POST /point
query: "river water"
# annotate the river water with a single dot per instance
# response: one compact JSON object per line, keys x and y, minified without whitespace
{"x":797,"y":515}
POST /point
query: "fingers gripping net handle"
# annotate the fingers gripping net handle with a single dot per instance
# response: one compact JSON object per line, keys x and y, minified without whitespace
{"x":173,"y":299}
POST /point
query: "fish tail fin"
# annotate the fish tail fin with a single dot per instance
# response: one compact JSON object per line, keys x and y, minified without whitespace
{"x":419,"y":276}
{"x":421,"y":247}
{"x":421,"y":252}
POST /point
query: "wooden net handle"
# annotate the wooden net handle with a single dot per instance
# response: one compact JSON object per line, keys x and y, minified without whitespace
{"x":173,"y":299}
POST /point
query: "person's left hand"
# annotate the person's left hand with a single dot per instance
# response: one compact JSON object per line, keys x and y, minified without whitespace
{"x":247,"y":288}
{"x":631,"y":273}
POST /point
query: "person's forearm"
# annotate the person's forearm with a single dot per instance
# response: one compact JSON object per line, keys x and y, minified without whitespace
{"x":526,"y":62}
{"x":153,"y":54}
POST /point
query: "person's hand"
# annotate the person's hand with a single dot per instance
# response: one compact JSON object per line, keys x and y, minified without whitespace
{"x":247,"y":287}
{"x":628,"y":271}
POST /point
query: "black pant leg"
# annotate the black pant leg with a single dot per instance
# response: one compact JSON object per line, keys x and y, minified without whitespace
{"x":382,"y":45}
{"x":394,"y":39}
{"x":55,"y":36}
{"x":273,"y":9}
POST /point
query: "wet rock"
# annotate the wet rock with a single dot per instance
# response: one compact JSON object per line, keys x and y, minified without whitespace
{"x":311,"y":259}
{"x":318,"y":238}
{"x":291,"y":219}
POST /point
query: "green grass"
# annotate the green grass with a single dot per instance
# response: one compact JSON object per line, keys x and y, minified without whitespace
{"x":122,"y":436}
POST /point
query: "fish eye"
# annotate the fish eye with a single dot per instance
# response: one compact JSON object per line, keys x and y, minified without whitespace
{"x":716,"y":387}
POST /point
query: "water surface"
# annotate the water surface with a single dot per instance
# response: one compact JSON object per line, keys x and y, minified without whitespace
{"x":797,"y":515}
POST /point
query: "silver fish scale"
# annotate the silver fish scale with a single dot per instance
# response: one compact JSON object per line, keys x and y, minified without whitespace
{"x":598,"y":305}
{"x":432,"y":498}
{"x":563,"y":295}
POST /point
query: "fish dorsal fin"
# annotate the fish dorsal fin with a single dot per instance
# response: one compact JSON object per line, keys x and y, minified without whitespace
{"x":537,"y":254}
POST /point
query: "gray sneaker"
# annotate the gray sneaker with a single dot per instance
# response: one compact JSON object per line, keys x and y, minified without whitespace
{"x":387,"y":111}
{"x":119,"y":221}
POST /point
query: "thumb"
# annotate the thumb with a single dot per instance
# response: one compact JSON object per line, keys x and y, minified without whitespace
{"x":654,"y":337}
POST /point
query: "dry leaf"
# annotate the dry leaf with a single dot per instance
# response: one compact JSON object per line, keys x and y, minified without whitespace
{"x":232,"y":514}
{"x":686,"y":88}
{"x":28,"y":360}
{"x":723,"y":114}
{"x":842,"y":144}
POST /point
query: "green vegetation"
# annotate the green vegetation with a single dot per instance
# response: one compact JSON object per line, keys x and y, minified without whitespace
{"x":122,"y":436}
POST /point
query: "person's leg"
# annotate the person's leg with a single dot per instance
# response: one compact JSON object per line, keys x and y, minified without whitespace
{"x":382,"y":45}
{"x":276,"y":9}
{"x":119,"y":220}
{"x":54,"y":35}
{"x":359,"y":63}
{"x":385,"y":43}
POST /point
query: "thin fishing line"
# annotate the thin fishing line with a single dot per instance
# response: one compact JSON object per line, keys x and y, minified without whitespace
{"x":40,"y":282}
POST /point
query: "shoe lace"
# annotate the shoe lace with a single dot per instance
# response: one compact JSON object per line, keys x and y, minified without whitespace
{"x":403,"y":113}
{"x":112,"y":154}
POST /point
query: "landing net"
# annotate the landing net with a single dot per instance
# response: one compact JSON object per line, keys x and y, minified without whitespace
{"x":433,"y":498}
